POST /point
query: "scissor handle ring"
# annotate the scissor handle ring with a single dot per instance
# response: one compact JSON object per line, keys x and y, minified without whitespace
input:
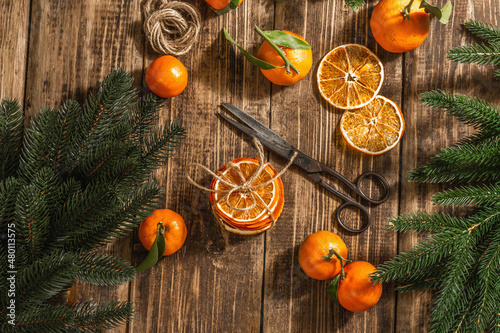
{"x":361,"y":208}
{"x":381,"y":178}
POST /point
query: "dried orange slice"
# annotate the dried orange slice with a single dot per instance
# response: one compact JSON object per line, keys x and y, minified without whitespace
{"x":350,"y":76}
{"x":253,"y":220}
{"x":375,"y":128}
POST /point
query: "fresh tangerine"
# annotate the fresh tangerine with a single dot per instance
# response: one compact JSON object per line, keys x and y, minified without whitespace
{"x":315,"y":257}
{"x":166,"y":76}
{"x":300,"y":58}
{"x":356,"y":292}
{"x":393,"y":31}
{"x":175,"y":230}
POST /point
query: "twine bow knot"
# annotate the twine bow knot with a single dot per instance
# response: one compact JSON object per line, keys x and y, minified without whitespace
{"x":245,"y":185}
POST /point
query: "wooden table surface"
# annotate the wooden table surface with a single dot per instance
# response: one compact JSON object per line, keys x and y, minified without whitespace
{"x":52,"y":50}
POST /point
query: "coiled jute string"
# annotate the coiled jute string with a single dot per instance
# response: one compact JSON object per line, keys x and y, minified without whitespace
{"x":171,"y":27}
{"x":245,"y":185}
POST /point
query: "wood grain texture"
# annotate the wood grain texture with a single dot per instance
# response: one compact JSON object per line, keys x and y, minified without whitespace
{"x":292,"y":301}
{"x":429,"y":130}
{"x":219,"y":282}
{"x":213,"y":284}
{"x":14,"y":26}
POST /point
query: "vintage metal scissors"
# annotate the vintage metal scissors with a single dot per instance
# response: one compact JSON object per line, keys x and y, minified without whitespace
{"x":311,"y":167}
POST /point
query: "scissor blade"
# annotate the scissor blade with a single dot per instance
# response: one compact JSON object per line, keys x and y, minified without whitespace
{"x":285,"y":152}
{"x":257,"y":126}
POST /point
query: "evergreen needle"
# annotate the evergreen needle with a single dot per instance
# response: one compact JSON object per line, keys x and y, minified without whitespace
{"x":77,"y":178}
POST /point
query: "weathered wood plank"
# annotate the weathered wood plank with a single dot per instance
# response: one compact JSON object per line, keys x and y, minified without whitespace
{"x":14,"y":26}
{"x":428,"y":130}
{"x":292,"y":301}
{"x":72,"y":47}
{"x":213,"y":284}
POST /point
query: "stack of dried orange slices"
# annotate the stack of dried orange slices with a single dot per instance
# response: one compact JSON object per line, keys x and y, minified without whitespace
{"x":350,"y":77}
{"x":251,"y":215}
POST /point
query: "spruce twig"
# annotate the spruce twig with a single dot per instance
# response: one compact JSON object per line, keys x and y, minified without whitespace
{"x":76,"y":178}
{"x":354,"y":4}
{"x":481,"y":53}
{"x":460,"y":259}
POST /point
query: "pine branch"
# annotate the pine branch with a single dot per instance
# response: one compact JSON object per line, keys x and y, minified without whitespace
{"x":144,"y":116}
{"x":427,"y":222}
{"x":11,"y":134}
{"x":483,"y":116}
{"x":437,"y":247}
{"x":83,"y":212}
{"x":481,"y":54}
{"x":47,"y":318}
{"x":354,"y":4}
{"x":9,"y":189}
{"x":161,"y":143}
{"x":45,"y":278}
{"x":79,"y":179}
{"x":128,"y":214}
{"x":468,"y":163}
{"x":92,"y":317}
{"x":488,"y":282}
{"x":32,"y":225}
{"x":428,"y":278}
{"x":487,"y":195}
{"x":104,"y":270}
{"x":488,"y":32}
{"x":65,"y":135}
{"x":103,"y":112}
{"x":455,"y":295}
{"x":37,"y":147}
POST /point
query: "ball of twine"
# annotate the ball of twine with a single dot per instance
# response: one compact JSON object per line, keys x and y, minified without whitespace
{"x":171,"y":27}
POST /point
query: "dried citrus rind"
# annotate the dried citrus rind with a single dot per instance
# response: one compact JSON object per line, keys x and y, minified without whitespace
{"x":375,"y":128}
{"x":254,"y":220}
{"x":350,"y":76}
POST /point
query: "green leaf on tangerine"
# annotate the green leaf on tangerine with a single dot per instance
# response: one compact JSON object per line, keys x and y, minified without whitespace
{"x":254,"y":60}
{"x":155,"y":253}
{"x":233,"y":4}
{"x":283,"y":39}
{"x":442,"y":14}
{"x":333,"y":287}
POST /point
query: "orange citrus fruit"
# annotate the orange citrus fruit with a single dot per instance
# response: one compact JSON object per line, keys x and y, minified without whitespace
{"x":393,"y":31}
{"x":300,"y":58}
{"x":375,"y":128}
{"x":175,"y":230}
{"x":253,"y":220}
{"x":312,"y":254}
{"x":166,"y":76}
{"x":350,"y":76}
{"x":219,"y":4}
{"x":356,"y":292}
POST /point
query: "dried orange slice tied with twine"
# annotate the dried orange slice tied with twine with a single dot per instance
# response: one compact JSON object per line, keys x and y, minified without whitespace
{"x":350,"y":76}
{"x":246,"y":194}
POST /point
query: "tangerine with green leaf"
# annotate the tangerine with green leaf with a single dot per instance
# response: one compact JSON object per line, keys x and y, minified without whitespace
{"x":355,"y":291}
{"x":393,"y":31}
{"x":316,"y":255}
{"x":223,"y":6}
{"x":175,"y":230}
{"x":300,"y":58}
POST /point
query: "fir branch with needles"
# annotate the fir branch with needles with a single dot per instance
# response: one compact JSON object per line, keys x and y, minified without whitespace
{"x":460,"y":259}
{"x":76,"y":178}
{"x":486,"y":53}
{"x":354,"y":4}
